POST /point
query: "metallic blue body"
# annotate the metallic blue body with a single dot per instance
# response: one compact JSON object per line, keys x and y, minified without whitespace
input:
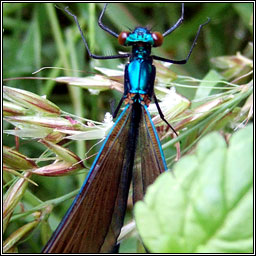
{"x":140,"y":72}
{"x":140,"y":75}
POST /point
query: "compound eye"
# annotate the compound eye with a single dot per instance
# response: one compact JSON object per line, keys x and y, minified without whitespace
{"x":158,"y":39}
{"x":122,"y":37}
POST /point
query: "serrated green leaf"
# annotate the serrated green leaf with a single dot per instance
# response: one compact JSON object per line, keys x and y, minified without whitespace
{"x":206,"y":204}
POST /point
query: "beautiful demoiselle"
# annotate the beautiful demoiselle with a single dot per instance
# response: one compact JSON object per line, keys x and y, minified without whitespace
{"x":131,"y":151}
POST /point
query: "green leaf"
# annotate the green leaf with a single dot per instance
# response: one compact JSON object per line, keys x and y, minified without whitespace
{"x":206,"y":86}
{"x":206,"y":204}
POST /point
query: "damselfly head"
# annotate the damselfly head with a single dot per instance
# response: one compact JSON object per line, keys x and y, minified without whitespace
{"x":142,"y":35}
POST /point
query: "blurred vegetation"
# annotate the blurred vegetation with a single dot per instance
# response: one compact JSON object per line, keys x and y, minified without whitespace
{"x":40,"y":35}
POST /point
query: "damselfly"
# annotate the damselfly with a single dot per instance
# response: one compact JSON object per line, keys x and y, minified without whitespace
{"x":131,"y":151}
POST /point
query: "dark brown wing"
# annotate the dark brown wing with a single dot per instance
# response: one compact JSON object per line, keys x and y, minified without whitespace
{"x":149,"y":158}
{"x":95,"y":218}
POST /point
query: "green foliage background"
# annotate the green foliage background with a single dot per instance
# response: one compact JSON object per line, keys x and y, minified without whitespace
{"x":38,"y":34}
